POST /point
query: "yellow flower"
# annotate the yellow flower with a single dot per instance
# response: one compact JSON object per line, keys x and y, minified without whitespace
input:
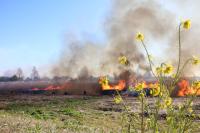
{"x":190,"y":110}
{"x":117,"y":99}
{"x":123,"y":60}
{"x":180,"y":106}
{"x":187,"y":24}
{"x":139,"y":86}
{"x":173,"y":75}
{"x":196,"y":84}
{"x":151,"y":92}
{"x":142,"y":95}
{"x":159,"y":70}
{"x":139,"y":36}
{"x":155,"y":89}
{"x":195,"y":60}
{"x":168,"y":101}
{"x":193,"y":115}
{"x":168,"y":69}
{"x":148,"y":120}
{"x":103,"y":80}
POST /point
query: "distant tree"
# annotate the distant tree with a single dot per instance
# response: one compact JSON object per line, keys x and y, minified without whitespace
{"x":45,"y":78}
{"x":4,"y":79}
{"x":19,"y":74}
{"x":14,"y":78}
{"x":35,"y":74}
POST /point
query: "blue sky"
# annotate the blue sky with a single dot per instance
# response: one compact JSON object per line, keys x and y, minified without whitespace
{"x":32,"y":32}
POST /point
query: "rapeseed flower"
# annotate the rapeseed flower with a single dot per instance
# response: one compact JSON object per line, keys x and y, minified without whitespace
{"x":142,"y":95}
{"x":140,"y":86}
{"x":159,"y":70}
{"x":168,"y":69}
{"x":195,"y":60}
{"x":196,"y":84}
{"x":117,"y":99}
{"x":103,"y":80}
{"x":187,"y":24}
{"x":173,"y":75}
{"x":139,"y":36}
{"x":180,"y":106}
{"x":168,"y":101}
{"x":123,"y":60}
{"x":155,"y":89}
{"x":190,"y":110}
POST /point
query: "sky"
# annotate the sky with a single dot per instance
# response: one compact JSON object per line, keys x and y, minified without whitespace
{"x":32,"y":32}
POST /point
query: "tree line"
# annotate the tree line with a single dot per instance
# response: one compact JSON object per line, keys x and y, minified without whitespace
{"x":19,"y":76}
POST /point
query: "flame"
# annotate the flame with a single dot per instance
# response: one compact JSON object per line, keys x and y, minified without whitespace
{"x":51,"y":87}
{"x":106,"y":86}
{"x":120,"y":86}
{"x":48,"y":88}
{"x":185,"y":89}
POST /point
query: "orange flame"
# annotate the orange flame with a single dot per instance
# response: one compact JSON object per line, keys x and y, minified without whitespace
{"x":48,"y":88}
{"x":185,"y":89}
{"x":120,"y":86}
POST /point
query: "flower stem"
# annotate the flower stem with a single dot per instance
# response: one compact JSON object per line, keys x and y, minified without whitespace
{"x":142,"y":111}
{"x":179,"y":49}
{"x":150,"y":62}
{"x":127,"y":110}
{"x":179,"y":73}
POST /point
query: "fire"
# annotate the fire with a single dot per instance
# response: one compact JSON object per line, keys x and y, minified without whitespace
{"x":48,"y":88}
{"x":106,"y":86}
{"x":185,"y":89}
{"x":120,"y":86}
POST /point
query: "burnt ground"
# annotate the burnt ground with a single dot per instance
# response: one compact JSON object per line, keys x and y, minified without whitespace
{"x":67,"y":113}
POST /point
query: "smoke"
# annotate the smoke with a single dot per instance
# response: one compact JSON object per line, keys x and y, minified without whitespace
{"x":189,"y":38}
{"x":126,"y":18}
{"x":189,"y":48}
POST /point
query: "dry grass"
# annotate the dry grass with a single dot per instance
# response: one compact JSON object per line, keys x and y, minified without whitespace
{"x":64,"y":114}
{"x":59,"y":114}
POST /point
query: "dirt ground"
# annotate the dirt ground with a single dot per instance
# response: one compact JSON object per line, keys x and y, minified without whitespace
{"x":66,"y":113}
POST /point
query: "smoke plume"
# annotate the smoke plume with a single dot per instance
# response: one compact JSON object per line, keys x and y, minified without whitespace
{"x":126,"y":18}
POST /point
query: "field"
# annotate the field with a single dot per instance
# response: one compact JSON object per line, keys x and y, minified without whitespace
{"x":65,"y":114}
{"x":34,"y":113}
